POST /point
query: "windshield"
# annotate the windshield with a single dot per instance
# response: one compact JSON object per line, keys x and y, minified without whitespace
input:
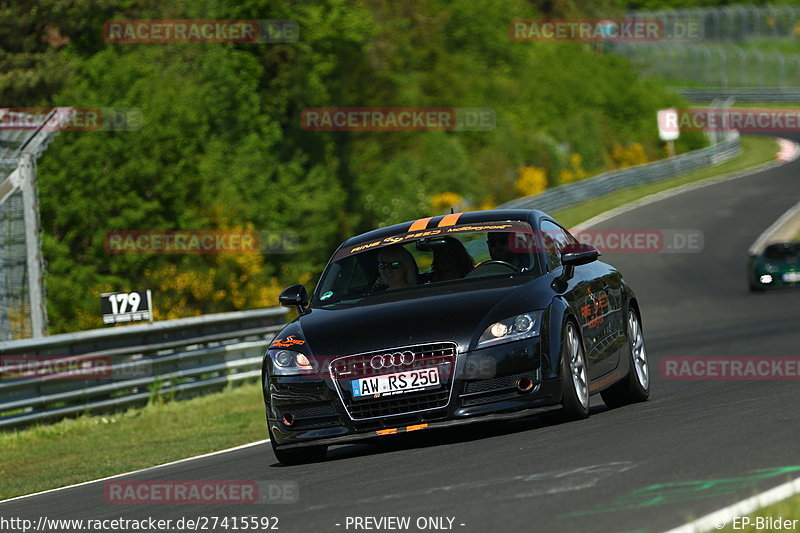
{"x":406,"y":266}
{"x":789,"y":252}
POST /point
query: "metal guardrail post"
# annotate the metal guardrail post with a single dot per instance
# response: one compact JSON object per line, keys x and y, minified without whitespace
{"x":33,"y":249}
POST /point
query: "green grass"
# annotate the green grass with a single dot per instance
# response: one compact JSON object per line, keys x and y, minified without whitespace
{"x":782,"y":46}
{"x":90,"y":447}
{"x":787,"y":509}
{"x":755,"y":151}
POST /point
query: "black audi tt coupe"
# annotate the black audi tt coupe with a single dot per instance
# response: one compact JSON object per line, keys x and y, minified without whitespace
{"x":447,"y":320}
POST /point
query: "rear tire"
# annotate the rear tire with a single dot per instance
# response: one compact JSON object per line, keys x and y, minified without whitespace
{"x":635,"y":387}
{"x":574,"y":376}
{"x":298,"y":456}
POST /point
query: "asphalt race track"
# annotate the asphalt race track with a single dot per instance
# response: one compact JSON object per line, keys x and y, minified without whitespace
{"x":694,"y":447}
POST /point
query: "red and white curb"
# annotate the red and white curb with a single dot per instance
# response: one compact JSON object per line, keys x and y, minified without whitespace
{"x":789,"y":150}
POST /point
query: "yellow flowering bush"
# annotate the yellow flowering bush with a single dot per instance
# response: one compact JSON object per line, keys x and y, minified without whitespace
{"x":445,"y":200}
{"x":627,"y":156}
{"x":531,"y":181}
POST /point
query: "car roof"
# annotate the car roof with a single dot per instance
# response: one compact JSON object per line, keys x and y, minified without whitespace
{"x":469,"y":217}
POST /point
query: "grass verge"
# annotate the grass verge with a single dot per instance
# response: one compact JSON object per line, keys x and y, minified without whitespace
{"x":91,"y":447}
{"x":788,"y":509}
{"x":85,"y":448}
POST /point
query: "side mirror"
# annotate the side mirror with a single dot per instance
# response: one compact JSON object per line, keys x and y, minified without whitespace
{"x":579,"y":254}
{"x":295,"y":296}
{"x":572,"y":256}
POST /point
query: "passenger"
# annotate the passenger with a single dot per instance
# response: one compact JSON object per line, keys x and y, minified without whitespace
{"x":451,"y":261}
{"x":396,"y":268}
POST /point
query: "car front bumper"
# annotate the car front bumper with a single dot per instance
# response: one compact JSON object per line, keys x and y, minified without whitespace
{"x":484,"y":385}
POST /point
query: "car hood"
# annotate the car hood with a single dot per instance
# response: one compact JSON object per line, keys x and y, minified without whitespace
{"x":449,"y":314}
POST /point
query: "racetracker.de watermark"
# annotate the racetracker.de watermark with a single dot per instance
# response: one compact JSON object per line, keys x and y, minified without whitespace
{"x":398,"y":119}
{"x":201,"y":31}
{"x":621,"y":241}
{"x":602,"y":30}
{"x":56,"y":367}
{"x":71,"y":119}
{"x":730,"y":368}
{"x":201,"y":492}
{"x":200,"y":242}
{"x":753,"y":120}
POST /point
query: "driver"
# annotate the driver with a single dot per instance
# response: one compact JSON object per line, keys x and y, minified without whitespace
{"x":500,"y":250}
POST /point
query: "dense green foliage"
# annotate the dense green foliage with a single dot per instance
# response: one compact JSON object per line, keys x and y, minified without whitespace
{"x":222,"y":145}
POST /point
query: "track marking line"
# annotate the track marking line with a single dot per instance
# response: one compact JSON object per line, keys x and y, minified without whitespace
{"x":723,"y":517}
{"x":669,"y":193}
{"x":184,"y":460}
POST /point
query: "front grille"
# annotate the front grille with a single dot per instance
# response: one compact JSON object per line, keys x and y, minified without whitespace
{"x":495,"y":389}
{"x":311,"y":423}
{"x":490,"y":397}
{"x":312,"y":415}
{"x":499,"y":383}
{"x":312,"y":410}
{"x":406,"y":403}
{"x":441,"y":355}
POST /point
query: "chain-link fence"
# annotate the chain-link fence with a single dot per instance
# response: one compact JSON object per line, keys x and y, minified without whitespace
{"x":727,"y":24}
{"x":732,"y":46}
{"x":22,"y":306}
{"x":14,"y":291}
{"x":713,"y":65}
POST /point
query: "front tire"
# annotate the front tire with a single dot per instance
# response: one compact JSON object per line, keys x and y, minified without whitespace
{"x":635,"y":387}
{"x":298,"y":456}
{"x":574,"y":376}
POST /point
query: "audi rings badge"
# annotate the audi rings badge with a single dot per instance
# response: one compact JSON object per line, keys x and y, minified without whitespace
{"x":392,"y":359}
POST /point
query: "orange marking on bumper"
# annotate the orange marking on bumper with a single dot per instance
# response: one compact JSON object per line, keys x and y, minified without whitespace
{"x":449,"y":220}
{"x":416,"y":427}
{"x":386,"y":431}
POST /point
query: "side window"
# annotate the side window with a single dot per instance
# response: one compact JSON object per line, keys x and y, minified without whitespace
{"x":555,"y":239}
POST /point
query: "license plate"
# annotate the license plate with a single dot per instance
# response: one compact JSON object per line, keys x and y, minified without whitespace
{"x":791,"y":277}
{"x":399,"y":383}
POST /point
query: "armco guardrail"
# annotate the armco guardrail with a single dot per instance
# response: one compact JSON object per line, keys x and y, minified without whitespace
{"x":573,"y":193}
{"x":758,"y":95}
{"x":110,"y":369}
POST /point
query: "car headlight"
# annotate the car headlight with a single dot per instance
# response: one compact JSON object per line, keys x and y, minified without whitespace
{"x":512,"y":329}
{"x":290,"y":363}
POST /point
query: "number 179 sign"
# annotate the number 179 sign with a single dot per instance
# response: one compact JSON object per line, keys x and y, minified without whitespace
{"x":121,"y":307}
